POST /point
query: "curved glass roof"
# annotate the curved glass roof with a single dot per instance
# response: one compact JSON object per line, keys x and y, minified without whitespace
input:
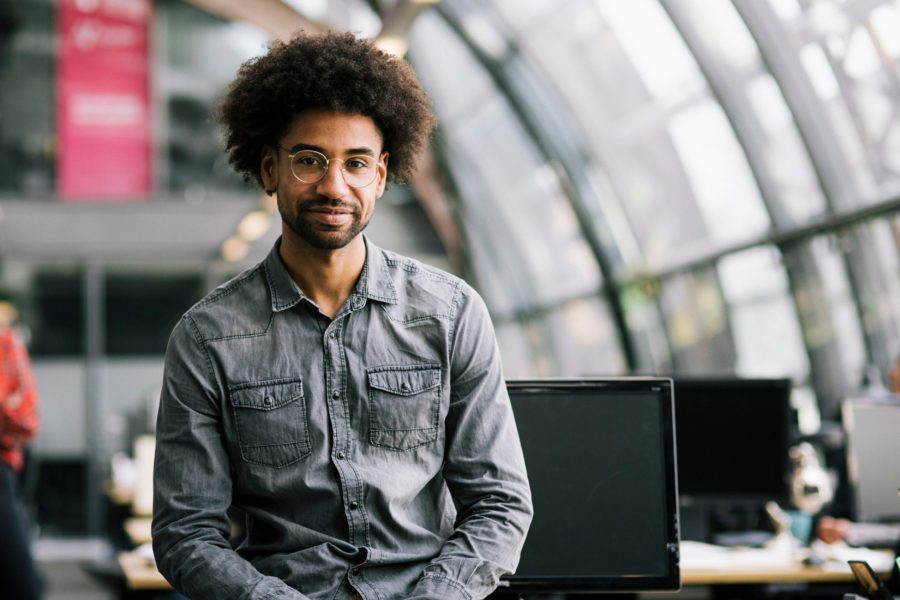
{"x":676,"y":186}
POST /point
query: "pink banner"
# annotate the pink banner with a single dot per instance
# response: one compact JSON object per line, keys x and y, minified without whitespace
{"x":103,"y":100}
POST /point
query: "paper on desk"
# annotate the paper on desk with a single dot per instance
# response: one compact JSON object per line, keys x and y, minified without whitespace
{"x":700,"y":556}
{"x":880,"y":560}
{"x":145,"y":551}
{"x":708,"y":557}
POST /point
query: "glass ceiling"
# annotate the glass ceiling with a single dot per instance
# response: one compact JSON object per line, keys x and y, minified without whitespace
{"x":676,"y":185}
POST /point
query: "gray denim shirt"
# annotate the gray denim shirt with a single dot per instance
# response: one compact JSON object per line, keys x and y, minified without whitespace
{"x":374,"y":452}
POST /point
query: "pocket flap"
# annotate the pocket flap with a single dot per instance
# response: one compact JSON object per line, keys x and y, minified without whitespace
{"x":405,"y":381}
{"x":266,"y":395}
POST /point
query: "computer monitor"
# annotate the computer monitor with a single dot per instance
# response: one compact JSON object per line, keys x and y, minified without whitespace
{"x":734,"y":437}
{"x":601,"y":463}
{"x":873,"y":448}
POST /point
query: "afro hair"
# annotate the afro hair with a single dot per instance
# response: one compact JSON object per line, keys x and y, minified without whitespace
{"x":332,"y":70}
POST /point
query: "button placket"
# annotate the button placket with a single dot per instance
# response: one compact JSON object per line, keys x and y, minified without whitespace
{"x":336,"y":402}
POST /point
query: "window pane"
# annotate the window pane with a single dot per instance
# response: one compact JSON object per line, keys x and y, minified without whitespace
{"x":142,"y":309}
{"x":646,"y":328}
{"x":850,"y":64}
{"x":584,"y":340}
{"x":697,"y":324}
{"x":56,"y":310}
{"x":838,"y":324}
{"x":716,"y":166}
{"x":28,"y":101}
{"x":764,"y":322}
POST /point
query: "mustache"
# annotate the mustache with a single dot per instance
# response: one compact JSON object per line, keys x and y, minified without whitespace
{"x":328,"y":204}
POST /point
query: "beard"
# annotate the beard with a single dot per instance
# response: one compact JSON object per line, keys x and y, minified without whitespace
{"x":321,"y":235}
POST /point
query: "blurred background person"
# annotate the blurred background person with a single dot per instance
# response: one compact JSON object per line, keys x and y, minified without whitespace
{"x":18,"y":425}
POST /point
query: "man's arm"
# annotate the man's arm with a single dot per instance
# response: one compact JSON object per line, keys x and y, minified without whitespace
{"x":484,"y":467}
{"x":192,"y":484}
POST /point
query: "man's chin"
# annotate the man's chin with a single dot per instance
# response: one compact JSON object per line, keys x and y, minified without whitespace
{"x":324,"y":239}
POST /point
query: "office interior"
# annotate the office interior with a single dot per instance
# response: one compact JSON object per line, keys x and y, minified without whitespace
{"x":702,"y":190}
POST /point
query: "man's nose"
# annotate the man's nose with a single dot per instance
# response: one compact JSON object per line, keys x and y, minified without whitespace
{"x":332,"y":185}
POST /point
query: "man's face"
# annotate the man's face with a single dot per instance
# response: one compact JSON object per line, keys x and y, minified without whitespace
{"x":327,"y":214}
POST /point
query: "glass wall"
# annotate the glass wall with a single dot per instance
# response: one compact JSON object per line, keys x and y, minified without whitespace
{"x":705,"y":187}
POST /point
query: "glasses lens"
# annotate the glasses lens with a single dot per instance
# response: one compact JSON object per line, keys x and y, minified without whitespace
{"x":359,"y":171}
{"x":310,"y":166}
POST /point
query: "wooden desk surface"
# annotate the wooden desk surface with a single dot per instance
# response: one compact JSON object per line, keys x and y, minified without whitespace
{"x":704,"y":564}
{"x":138,"y":529}
{"x":786,"y":574}
{"x":140,"y":573}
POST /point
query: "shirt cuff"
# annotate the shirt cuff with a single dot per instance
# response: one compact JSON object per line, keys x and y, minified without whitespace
{"x":435,"y":587}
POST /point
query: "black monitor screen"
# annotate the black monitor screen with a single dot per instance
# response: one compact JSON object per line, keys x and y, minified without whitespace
{"x":733,"y":437}
{"x":600,"y":459}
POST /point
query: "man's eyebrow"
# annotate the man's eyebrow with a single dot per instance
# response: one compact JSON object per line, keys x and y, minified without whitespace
{"x":349,"y":152}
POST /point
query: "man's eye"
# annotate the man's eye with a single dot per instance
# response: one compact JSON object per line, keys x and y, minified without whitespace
{"x":309,"y":161}
{"x":357,"y":163}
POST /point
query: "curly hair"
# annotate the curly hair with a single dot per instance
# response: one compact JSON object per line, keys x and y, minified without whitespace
{"x":332,"y":70}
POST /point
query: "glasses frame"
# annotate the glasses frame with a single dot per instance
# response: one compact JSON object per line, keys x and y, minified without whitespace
{"x":328,"y":162}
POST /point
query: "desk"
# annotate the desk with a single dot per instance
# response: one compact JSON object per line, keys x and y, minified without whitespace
{"x":704,"y":564}
{"x":786,"y":574}
{"x":138,"y":529}
{"x":140,"y":573}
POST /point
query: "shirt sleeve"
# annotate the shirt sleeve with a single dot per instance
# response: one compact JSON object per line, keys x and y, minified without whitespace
{"x":192,"y":485}
{"x":484,"y":467}
{"x":19,"y":418}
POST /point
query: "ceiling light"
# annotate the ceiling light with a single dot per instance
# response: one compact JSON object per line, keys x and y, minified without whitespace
{"x":234,"y":249}
{"x":392,"y":44}
{"x":254,"y":225}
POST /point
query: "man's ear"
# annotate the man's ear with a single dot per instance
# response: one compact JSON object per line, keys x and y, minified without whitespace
{"x":382,"y":173}
{"x":268,"y":169}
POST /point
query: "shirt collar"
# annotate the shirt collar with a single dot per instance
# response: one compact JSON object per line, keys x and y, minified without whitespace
{"x":374,"y":282}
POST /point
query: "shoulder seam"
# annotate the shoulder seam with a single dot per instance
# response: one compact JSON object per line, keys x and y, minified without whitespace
{"x":231,"y":287}
{"x":200,"y":341}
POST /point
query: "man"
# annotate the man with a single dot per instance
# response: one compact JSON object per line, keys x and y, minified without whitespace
{"x":349,"y":400}
{"x":18,"y":426}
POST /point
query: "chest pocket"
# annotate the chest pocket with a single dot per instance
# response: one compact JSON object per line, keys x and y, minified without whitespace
{"x":404,"y":406}
{"x":270,"y":417}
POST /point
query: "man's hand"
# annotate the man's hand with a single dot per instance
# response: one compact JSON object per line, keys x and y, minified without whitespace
{"x":831,"y":530}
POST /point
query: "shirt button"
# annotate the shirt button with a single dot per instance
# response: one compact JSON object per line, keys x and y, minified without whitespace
{"x":404,"y":387}
{"x":341,"y":455}
{"x":354,"y":505}
{"x":335,"y":394}
{"x":332,"y":335}
{"x":267,"y":401}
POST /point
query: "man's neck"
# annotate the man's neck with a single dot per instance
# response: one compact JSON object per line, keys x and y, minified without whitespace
{"x":327,"y":277}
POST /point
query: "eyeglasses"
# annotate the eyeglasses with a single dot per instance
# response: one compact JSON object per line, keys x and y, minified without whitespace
{"x":310,"y":166}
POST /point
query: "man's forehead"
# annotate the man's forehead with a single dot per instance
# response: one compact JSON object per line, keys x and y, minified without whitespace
{"x":335,"y":121}
{"x":333,"y":130}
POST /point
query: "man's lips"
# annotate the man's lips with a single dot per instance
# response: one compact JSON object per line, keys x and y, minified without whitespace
{"x":330,"y":210}
{"x":330,"y":215}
